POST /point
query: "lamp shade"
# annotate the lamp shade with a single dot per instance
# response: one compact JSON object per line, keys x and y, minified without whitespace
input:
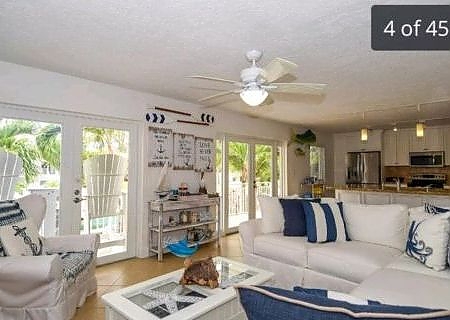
{"x":420,"y":126}
{"x":254,"y":96}
{"x":364,"y":134}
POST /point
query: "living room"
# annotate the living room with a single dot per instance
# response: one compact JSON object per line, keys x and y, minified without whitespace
{"x":132,"y":70}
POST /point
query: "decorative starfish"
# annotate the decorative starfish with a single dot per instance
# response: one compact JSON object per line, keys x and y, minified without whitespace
{"x":170,"y":299}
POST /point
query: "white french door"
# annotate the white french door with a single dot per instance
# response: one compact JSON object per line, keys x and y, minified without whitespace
{"x":91,"y":188}
{"x":249,"y":168}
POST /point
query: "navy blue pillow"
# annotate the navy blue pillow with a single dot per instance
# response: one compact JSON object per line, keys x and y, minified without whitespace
{"x":294,"y":217}
{"x":265,"y":303}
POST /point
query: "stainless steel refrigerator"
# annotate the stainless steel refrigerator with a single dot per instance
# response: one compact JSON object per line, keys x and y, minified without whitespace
{"x":363,"y":168}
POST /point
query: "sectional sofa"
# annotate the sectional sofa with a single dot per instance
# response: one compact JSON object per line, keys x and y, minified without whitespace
{"x":373,"y":265}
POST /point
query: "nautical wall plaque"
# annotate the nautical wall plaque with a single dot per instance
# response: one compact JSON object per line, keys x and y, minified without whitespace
{"x":161,"y":147}
{"x":183,"y":151}
{"x":204,"y":154}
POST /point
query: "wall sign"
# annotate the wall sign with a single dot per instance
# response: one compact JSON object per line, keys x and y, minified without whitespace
{"x":161,"y":147}
{"x":204,"y":154}
{"x":183,"y":151}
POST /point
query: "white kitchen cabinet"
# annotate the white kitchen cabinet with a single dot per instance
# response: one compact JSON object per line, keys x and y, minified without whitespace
{"x":446,"y":134}
{"x":433,"y":140}
{"x":411,"y":200}
{"x":348,"y":196}
{"x":396,"y":147}
{"x":353,"y":141}
{"x":390,"y":148}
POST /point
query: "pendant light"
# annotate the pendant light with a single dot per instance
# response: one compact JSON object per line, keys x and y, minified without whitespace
{"x":364,"y":134}
{"x":420,"y":126}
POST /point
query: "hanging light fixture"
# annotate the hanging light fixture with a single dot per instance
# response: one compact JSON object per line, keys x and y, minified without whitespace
{"x":395,"y":129}
{"x":364,"y":134}
{"x":254,"y":95}
{"x":420,"y":126}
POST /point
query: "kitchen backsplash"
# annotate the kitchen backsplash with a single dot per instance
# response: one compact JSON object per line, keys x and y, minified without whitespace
{"x":406,"y":171}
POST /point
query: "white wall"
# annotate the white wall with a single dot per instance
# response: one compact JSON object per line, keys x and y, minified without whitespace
{"x":33,"y":87}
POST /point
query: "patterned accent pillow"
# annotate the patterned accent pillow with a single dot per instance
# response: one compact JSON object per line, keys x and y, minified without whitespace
{"x":324,"y":222}
{"x":10,"y":212}
{"x":432,"y":209}
{"x":428,"y":241}
{"x":21,"y":239}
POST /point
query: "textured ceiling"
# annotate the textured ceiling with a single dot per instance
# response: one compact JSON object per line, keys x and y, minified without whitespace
{"x":152,"y":45}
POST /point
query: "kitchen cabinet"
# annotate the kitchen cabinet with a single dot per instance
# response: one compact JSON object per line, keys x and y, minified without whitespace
{"x":353,"y":141}
{"x":446,"y":134}
{"x":396,"y":147}
{"x":376,"y":198}
{"x":433,"y":140}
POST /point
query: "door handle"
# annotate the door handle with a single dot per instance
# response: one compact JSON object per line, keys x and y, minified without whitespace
{"x":77,"y":199}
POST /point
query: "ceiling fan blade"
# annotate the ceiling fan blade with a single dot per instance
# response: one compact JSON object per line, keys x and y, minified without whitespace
{"x":299,"y":88}
{"x":269,"y":100}
{"x":213,"y":79}
{"x":277,"y":68}
{"x":217,"y":95}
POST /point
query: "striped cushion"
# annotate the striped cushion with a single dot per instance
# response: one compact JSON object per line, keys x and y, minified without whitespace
{"x":10,"y":212}
{"x":324,"y":222}
{"x":266,"y":303}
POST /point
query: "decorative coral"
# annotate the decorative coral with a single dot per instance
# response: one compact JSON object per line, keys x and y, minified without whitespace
{"x":303,"y":140}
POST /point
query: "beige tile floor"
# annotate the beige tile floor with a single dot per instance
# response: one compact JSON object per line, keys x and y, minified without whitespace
{"x":125,"y":273}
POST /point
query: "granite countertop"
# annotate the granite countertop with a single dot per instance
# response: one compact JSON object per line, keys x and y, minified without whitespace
{"x":415,"y":190}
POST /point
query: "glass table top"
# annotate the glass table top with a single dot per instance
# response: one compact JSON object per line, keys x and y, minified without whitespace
{"x":167,"y":297}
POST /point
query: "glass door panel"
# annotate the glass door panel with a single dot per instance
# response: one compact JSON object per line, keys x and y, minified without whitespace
{"x":104,"y":191}
{"x":263,"y":181}
{"x":30,"y":161}
{"x":238,"y":183}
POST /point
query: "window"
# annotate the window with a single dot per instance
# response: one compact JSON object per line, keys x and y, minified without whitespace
{"x":317,"y":162}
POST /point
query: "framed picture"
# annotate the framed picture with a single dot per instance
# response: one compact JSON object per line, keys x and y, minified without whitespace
{"x":183,"y":151}
{"x":161,"y":147}
{"x":204,"y":154}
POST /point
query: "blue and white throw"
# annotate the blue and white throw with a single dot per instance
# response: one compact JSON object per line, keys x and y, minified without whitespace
{"x":324,"y":222}
{"x":75,"y":262}
{"x":432,"y":209}
{"x":10,"y":212}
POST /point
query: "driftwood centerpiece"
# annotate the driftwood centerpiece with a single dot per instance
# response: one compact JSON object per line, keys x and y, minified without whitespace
{"x":202,"y":272}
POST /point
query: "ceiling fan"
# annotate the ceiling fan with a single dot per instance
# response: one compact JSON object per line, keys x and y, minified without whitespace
{"x":256,"y":82}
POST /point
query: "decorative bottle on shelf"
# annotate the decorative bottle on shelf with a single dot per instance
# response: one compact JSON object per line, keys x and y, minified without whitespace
{"x":202,"y":187}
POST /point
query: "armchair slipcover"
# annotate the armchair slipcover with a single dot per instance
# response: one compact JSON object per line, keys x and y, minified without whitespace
{"x":34,"y":287}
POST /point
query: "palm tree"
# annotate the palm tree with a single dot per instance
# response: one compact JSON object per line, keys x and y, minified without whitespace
{"x":34,"y":144}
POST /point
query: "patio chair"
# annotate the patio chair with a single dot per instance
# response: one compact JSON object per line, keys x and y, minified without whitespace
{"x":104,"y":175}
{"x":49,"y":286}
{"x":10,"y":170}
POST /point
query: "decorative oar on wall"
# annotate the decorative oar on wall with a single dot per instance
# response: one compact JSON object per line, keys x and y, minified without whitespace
{"x":303,"y":140}
{"x":160,"y":116}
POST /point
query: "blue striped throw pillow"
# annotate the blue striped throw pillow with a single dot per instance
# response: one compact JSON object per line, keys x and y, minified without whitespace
{"x":432,"y":209}
{"x":324,"y":222}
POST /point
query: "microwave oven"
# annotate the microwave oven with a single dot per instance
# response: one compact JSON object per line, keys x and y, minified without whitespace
{"x":426,"y":159}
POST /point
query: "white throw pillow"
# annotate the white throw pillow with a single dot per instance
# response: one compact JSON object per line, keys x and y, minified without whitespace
{"x":21,"y":239}
{"x":428,"y":241}
{"x":272,"y":214}
{"x":379,"y":224}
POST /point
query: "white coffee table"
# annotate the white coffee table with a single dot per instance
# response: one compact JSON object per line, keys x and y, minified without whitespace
{"x":163,"y":298}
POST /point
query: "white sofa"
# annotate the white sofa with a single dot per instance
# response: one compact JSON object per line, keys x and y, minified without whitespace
{"x":33,"y":287}
{"x":367,"y":269}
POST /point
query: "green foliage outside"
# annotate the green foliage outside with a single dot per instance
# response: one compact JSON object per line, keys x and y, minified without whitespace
{"x":238,"y":160}
{"x":39,"y":145}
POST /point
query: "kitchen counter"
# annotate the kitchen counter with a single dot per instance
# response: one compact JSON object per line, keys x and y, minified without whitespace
{"x":417,"y":190}
{"x":413,"y":197}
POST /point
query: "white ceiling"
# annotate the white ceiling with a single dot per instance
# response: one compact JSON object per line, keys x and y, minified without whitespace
{"x":152,"y":45}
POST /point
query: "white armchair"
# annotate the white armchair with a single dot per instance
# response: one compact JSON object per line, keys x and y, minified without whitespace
{"x":34,"y":287}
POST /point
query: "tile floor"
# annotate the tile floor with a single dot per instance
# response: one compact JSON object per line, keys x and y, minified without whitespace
{"x":125,"y":273}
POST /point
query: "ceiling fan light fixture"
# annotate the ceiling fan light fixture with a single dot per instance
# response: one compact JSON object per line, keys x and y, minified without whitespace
{"x":253,"y":96}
